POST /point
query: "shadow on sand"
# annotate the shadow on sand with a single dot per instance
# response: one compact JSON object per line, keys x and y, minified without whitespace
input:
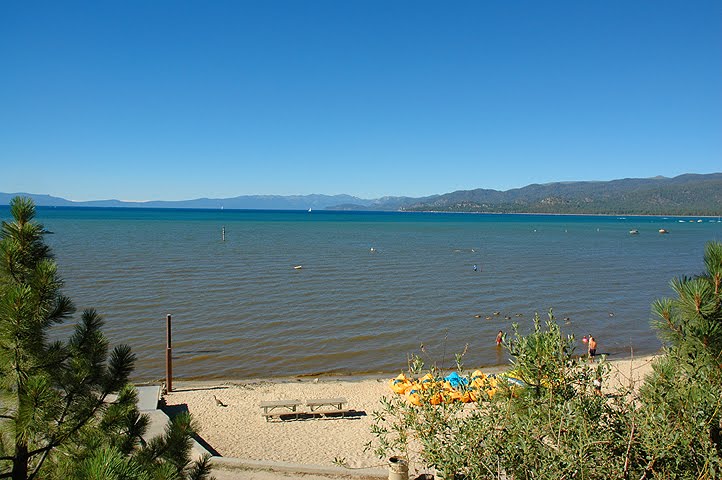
{"x":173,"y":410}
{"x":200,"y":389}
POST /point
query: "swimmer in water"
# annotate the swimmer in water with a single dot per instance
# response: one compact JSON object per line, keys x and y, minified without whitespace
{"x":592,"y":347}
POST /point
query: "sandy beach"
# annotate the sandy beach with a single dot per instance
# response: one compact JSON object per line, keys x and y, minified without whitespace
{"x":239,"y":430}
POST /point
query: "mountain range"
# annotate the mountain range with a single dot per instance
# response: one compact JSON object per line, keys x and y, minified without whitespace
{"x":688,"y":194}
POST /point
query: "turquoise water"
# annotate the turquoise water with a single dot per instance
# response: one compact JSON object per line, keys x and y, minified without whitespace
{"x":241,"y":310}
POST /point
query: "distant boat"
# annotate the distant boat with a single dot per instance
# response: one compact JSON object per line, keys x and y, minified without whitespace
{"x":699,"y":221}
{"x":634,"y":232}
{"x":662,"y":230}
{"x":309,"y":210}
{"x":298,"y":267}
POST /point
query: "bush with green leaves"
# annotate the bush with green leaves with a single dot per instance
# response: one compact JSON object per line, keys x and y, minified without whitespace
{"x":556,"y":418}
{"x":57,"y":419}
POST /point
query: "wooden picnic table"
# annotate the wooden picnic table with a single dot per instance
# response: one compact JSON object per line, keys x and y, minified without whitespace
{"x":316,"y":403}
{"x":285,"y":409}
{"x":269,"y":405}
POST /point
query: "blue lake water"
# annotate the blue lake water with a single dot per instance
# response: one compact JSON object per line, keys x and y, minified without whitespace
{"x":241,"y":310}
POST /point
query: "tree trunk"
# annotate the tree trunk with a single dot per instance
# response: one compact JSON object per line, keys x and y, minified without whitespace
{"x":20,"y":463}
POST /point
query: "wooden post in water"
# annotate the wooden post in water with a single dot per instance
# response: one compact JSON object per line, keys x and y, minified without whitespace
{"x":168,"y":356}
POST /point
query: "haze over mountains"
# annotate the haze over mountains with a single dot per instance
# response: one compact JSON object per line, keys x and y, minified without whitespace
{"x":688,"y":194}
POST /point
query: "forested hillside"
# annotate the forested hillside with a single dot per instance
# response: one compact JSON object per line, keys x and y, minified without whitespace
{"x":683,"y":195}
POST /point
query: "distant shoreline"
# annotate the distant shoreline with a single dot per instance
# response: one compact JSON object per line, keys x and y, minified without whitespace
{"x":331,"y":210}
{"x":643,"y":215}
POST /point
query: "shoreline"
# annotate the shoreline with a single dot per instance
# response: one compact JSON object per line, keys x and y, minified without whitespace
{"x":236,"y":428}
{"x":356,"y":376}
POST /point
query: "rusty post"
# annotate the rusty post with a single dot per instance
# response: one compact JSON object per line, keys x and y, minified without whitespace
{"x":168,"y":357}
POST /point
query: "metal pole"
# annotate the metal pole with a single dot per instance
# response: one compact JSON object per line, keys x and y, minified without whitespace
{"x":168,"y":357}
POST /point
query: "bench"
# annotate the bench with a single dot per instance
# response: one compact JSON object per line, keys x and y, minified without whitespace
{"x":288,"y":407}
{"x":284,"y":409}
{"x":315,"y":403}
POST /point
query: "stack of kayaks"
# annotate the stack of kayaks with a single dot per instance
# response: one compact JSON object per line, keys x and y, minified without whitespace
{"x":452,"y":388}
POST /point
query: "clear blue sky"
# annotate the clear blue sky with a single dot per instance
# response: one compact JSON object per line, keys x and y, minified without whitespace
{"x":143,"y":100}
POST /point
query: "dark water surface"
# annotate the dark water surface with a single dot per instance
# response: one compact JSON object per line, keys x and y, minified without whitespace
{"x":241,"y":310}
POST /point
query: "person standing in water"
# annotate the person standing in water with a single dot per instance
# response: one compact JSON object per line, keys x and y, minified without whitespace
{"x":499,"y":338}
{"x":592,"y":347}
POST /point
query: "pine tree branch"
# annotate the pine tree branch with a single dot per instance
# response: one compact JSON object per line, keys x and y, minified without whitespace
{"x":648,"y":468}
{"x":629,"y":448}
{"x":60,"y":361}
{"x":56,"y":441}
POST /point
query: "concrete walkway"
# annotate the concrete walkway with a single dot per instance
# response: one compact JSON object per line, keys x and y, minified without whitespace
{"x":224,"y":474}
{"x":237,"y":469}
{"x":148,"y":398}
